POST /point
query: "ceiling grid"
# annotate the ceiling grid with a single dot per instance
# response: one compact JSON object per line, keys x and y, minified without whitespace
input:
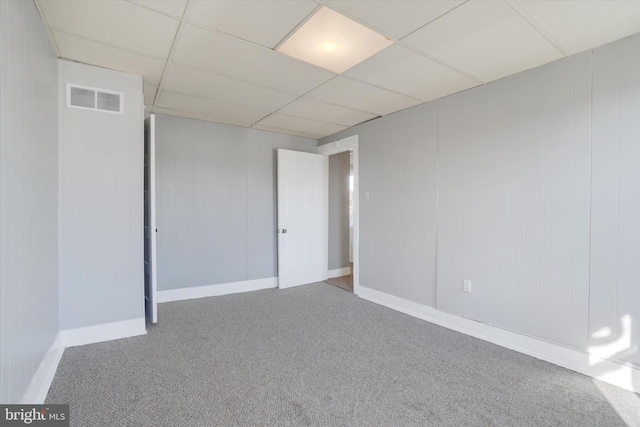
{"x":220,"y":61}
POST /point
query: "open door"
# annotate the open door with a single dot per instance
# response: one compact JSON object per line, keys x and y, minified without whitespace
{"x":150,"y":230}
{"x":302,"y":218}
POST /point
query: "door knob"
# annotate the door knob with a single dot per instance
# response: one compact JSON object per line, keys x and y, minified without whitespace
{"x":284,"y":230}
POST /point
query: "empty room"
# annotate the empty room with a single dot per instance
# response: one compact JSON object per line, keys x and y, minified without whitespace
{"x":320,"y":213}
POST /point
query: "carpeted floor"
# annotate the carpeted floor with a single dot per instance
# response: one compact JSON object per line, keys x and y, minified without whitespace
{"x":319,"y":356}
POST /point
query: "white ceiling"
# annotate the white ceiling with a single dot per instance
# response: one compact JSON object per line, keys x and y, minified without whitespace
{"x":215,"y":60}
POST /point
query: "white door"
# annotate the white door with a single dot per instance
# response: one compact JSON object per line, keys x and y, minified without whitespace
{"x":302,"y":218}
{"x":150,"y":304}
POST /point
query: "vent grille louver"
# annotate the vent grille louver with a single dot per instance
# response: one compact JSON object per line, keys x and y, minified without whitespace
{"x":83,"y":97}
{"x":88,"y":98}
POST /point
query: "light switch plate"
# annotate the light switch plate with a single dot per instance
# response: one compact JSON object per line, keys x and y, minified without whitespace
{"x":466,"y":285}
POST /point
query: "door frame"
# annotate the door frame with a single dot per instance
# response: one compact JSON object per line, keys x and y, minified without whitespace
{"x":150,"y":125}
{"x":337,"y":147}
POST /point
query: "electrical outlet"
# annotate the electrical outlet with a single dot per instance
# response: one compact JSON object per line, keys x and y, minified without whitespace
{"x":466,"y":285}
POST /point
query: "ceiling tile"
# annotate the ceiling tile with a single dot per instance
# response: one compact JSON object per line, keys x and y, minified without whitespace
{"x":309,"y":109}
{"x":486,"y":39}
{"x":286,"y":131}
{"x":150,"y":94}
{"x":402,"y":70}
{"x":579,"y":25}
{"x":395,"y":18}
{"x":94,"y":53}
{"x":361,"y":96}
{"x":225,"y":55}
{"x":196,"y":116}
{"x":209,"y":85}
{"x":262,"y":22}
{"x":209,"y":107}
{"x":117,"y":23}
{"x":298,"y":124}
{"x":173,"y":8}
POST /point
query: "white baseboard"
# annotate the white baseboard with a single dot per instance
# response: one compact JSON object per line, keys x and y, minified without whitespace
{"x":216,"y":290}
{"x":39,"y":387}
{"x":104,"y":332}
{"x":338,"y":272}
{"x":588,"y":364}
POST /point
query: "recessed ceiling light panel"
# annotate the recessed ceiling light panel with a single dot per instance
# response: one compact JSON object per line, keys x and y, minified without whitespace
{"x":333,"y":41}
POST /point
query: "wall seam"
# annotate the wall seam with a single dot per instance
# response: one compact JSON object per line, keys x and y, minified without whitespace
{"x":617,"y":232}
{"x":590,"y":201}
{"x":435,"y":285}
{"x":544,"y":203}
{"x":573,"y":122}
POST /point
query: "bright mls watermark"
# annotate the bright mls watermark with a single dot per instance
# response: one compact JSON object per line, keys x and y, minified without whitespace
{"x":34,"y":415}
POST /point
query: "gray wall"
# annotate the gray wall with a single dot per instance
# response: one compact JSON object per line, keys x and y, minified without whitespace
{"x":216,"y":209}
{"x":28,"y":197}
{"x":615,"y":195}
{"x":514,"y":202}
{"x":101,"y":209}
{"x":339,"y":170}
{"x":537,"y":195}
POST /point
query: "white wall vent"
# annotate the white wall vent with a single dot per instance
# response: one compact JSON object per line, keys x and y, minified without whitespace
{"x":91,"y":98}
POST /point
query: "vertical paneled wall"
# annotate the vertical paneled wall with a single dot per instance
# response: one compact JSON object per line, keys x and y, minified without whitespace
{"x":28,"y":197}
{"x":216,"y":201}
{"x":101,"y":202}
{"x":514,"y":202}
{"x":339,"y":171}
{"x":398,"y":223}
{"x":188,"y":168}
{"x":538,"y":201}
{"x":614,"y":322}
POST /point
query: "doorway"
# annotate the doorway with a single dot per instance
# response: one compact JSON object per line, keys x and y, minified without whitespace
{"x":343,"y":206}
{"x":340,"y":256}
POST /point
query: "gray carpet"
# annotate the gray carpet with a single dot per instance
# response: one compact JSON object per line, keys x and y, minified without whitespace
{"x":319,"y":356}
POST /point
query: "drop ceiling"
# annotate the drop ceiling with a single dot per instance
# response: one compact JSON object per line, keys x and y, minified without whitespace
{"x":217,"y":60}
